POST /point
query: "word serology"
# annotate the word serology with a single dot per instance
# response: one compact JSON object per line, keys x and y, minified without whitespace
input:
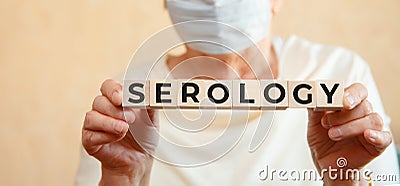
{"x":233,"y":94}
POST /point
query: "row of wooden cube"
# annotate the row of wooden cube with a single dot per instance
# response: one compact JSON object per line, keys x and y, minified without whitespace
{"x":233,"y":94}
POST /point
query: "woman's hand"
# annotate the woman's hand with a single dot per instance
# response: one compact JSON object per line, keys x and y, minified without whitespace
{"x":105,"y":136}
{"x":354,"y":133}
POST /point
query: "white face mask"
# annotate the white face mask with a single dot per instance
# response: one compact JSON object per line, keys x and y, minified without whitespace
{"x":236,"y":24}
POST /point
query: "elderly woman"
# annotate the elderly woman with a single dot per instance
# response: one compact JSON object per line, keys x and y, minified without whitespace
{"x":355,"y":138}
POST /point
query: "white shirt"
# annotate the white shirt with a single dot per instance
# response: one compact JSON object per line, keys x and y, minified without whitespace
{"x":285,"y":147}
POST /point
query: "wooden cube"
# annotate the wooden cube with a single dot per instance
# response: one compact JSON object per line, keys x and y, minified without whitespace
{"x":329,"y":95}
{"x":246,"y":94}
{"x":163,"y":93}
{"x":274,"y":94}
{"x":302,"y":94}
{"x":191,"y":93}
{"x":135,"y":93}
{"x":218,"y":94}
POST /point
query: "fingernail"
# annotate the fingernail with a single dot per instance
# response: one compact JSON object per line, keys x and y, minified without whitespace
{"x":325,"y":122}
{"x":335,"y":133}
{"x":115,"y":96}
{"x":373,"y":135}
{"x":351,"y":100}
{"x":129,"y":116}
{"x":119,"y":127}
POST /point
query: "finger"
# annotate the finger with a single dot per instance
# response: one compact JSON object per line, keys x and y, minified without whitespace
{"x":353,"y":95}
{"x":113,"y":91}
{"x":91,"y":140}
{"x":356,"y":127}
{"x":96,"y":121}
{"x":103,"y":105}
{"x":380,"y":139}
{"x":344,"y":116}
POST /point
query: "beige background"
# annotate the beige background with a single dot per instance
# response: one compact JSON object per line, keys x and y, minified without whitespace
{"x":55,"y":53}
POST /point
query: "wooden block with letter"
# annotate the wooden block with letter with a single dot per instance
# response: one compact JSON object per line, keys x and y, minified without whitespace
{"x":302,"y":94}
{"x":163,"y":93}
{"x":191,"y":93}
{"x":274,"y":94}
{"x":135,"y":93}
{"x":246,"y":94}
{"x":218,"y":94}
{"x":329,"y":94}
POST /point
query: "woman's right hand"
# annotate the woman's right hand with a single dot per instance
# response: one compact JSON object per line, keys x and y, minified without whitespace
{"x":105,"y":136}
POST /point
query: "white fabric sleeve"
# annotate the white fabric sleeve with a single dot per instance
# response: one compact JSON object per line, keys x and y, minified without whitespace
{"x":89,"y":170}
{"x":386,"y":163}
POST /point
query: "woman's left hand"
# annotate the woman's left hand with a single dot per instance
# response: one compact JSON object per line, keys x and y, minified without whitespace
{"x":349,"y":138}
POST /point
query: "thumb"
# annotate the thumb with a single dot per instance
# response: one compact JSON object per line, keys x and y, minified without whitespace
{"x":153,"y":117}
{"x":317,"y":135}
{"x":145,"y":129}
{"x":314,"y":117}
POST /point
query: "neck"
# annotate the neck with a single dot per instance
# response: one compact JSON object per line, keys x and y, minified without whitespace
{"x":235,"y":63}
